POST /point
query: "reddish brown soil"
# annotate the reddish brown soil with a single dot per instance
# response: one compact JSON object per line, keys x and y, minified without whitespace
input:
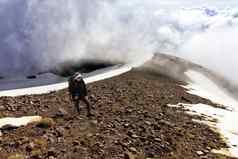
{"x":132,"y":120}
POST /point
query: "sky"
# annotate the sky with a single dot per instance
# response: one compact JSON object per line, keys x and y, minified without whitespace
{"x":219,"y":3}
{"x":38,"y":35}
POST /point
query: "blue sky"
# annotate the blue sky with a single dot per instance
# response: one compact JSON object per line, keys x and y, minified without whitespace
{"x":188,"y":3}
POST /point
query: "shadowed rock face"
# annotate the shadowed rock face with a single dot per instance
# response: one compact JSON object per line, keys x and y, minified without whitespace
{"x":69,"y":68}
{"x":176,"y":67}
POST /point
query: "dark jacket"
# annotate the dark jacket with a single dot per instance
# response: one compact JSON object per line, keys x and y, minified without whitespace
{"x":77,"y":86}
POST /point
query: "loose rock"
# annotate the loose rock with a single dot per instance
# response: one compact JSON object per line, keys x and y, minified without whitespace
{"x":200,"y":153}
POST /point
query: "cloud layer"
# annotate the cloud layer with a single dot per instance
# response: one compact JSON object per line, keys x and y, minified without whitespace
{"x":38,"y":35}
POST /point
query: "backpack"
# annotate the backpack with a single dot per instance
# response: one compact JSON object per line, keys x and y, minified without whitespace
{"x":77,"y":86}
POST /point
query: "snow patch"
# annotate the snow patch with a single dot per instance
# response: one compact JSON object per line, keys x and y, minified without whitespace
{"x":202,"y":86}
{"x":17,"y":122}
{"x":226,"y":119}
{"x":225,"y":122}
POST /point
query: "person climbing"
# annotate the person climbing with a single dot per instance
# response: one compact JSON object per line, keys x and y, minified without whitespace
{"x":78,"y":91}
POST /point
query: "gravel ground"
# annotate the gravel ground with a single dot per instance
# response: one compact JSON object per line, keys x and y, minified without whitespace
{"x":131,"y":121}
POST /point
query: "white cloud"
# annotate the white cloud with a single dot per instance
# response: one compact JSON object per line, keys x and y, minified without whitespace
{"x":38,"y":35}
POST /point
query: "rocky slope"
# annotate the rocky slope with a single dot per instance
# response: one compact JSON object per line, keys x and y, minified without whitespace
{"x":131,"y":121}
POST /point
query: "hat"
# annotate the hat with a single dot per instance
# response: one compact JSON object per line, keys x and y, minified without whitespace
{"x":78,"y":75}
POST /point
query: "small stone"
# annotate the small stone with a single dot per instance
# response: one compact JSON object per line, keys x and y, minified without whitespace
{"x":167,"y":123}
{"x":129,"y":155}
{"x":2,"y":108}
{"x":147,"y":122}
{"x":134,"y":136}
{"x":133,"y":149}
{"x":31,"y":146}
{"x":93,"y":97}
{"x":89,"y":135}
{"x":129,"y":110}
{"x":61,"y":112}
{"x":60,"y":139}
{"x":200,"y":153}
{"x":126,"y":124}
{"x":75,"y":143}
{"x":60,"y":131}
{"x":51,"y":139}
{"x":158,"y":139}
{"x":51,"y":151}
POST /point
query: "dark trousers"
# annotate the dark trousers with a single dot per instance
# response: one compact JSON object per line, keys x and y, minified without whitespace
{"x":83,"y":99}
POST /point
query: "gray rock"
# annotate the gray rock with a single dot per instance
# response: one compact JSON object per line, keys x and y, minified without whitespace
{"x":2,"y":108}
{"x":52,"y":152}
{"x":60,"y":131}
{"x":126,"y":125}
{"x":134,"y":136}
{"x":157,"y":139}
{"x":129,"y":110}
{"x":89,"y":135}
{"x":167,"y":123}
{"x":147,"y":123}
{"x":200,"y":153}
{"x":61,"y":112}
{"x":51,"y":139}
{"x":31,"y":145}
{"x":133,"y":149}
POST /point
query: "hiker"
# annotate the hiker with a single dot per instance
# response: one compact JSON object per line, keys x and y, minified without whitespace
{"x":78,"y":91}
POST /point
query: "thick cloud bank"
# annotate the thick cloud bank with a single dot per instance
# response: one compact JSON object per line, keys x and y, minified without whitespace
{"x":37,"y":35}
